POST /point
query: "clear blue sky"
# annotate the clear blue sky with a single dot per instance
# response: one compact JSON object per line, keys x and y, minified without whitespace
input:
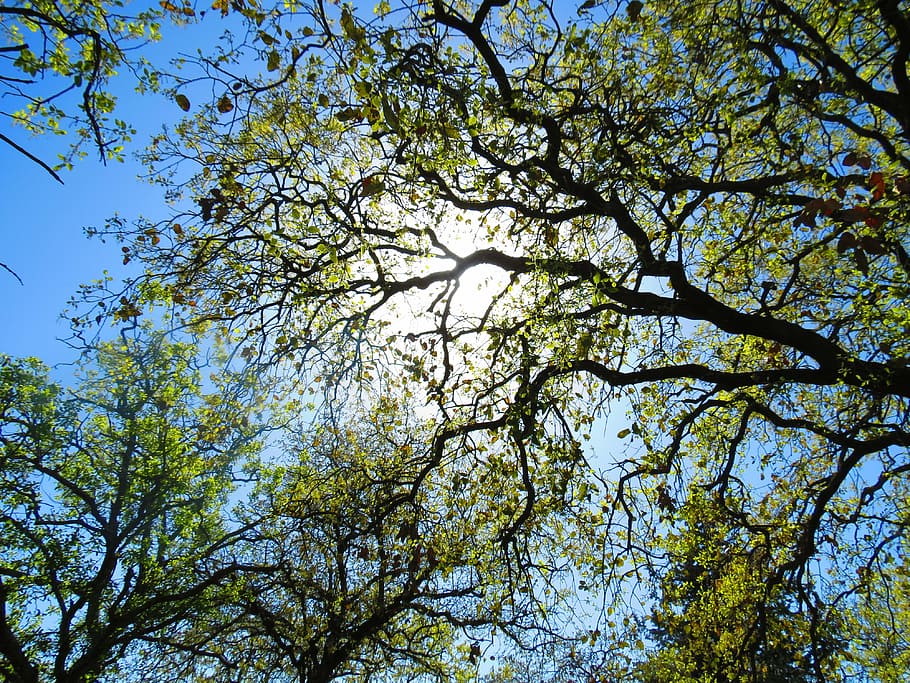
{"x":42,"y":240}
{"x":41,"y":232}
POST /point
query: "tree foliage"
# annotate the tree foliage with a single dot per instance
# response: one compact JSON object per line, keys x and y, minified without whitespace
{"x":111,"y":505}
{"x":348,"y":575}
{"x":717,"y":619}
{"x":58,"y":59}
{"x":695,"y":211}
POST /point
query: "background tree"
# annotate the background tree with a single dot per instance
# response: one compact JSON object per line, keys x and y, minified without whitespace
{"x":876,"y":612}
{"x":716,"y":618}
{"x":111,"y":505}
{"x":698,"y":212}
{"x":351,"y":575}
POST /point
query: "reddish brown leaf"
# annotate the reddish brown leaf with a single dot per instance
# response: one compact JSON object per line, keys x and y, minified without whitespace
{"x":873,"y":221}
{"x":846,"y":241}
{"x":807,"y":219}
{"x":829,"y":206}
{"x":815,"y":205}
{"x":877,"y":185}
{"x":855,"y":214}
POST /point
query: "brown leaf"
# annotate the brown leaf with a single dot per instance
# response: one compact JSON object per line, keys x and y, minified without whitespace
{"x":877,"y":185}
{"x":807,"y":218}
{"x":225,"y":105}
{"x":829,"y":206}
{"x":872,"y":245}
{"x":370,"y":186}
{"x":349,"y":114}
{"x":665,"y":500}
{"x":846,"y":241}
{"x":634,"y":8}
{"x":873,"y":221}
{"x":861,"y":261}
{"x":855,"y":214}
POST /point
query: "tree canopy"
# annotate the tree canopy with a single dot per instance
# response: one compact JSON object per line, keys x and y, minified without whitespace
{"x":351,"y":579}
{"x":111,"y":506}
{"x":528,"y":218}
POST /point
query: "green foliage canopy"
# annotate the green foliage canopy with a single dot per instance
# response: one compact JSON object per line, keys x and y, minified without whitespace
{"x":111,"y":505}
{"x":697,"y":210}
{"x":348,"y":576}
{"x":56,"y":63}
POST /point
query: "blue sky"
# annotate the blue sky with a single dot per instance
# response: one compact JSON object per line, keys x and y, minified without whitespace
{"x":42,"y":230}
{"x":42,"y":240}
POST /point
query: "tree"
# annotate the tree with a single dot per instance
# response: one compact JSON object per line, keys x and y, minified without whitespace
{"x":694,"y":211}
{"x":56,"y":61}
{"x":880,"y":624}
{"x":349,"y":577}
{"x":716,"y":618}
{"x":877,"y":615}
{"x":60,"y":58}
{"x":111,"y":505}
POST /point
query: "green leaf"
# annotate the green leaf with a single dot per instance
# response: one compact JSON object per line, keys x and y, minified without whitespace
{"x":266,"y":38}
